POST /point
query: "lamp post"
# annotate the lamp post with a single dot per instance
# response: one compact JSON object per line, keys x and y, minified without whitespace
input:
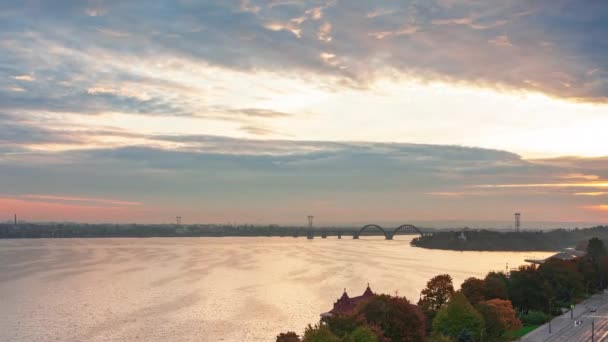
{"x":572,"y":311}
{"x":550,"y":313}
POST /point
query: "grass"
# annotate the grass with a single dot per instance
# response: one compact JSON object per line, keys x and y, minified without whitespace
{"x":515,"y":334}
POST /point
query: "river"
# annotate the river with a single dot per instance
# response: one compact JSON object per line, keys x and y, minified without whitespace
{"x":206,"y":289}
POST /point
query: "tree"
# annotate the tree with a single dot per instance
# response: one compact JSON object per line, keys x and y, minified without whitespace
{"x":319,"y":333}
{"x":343,"y":325}
{"x":528,"y":290}
{"x":496,"y":286}
{"x":474,"y":289}
{"x":465,"y":336}
{"x":458,"y":319}
{"x":590,"y":274}
{"x":289,"y":336}
{"x":362,"y":334}
{"x":564,"y":279}
{"x":395,"y":316}
{"x":436,"y":294}
{"x":596,"y":250}
{"x":438,"y":337}
{"x":499,"y":317}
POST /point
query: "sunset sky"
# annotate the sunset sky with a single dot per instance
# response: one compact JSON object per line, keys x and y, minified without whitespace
{"x":267,"y":111}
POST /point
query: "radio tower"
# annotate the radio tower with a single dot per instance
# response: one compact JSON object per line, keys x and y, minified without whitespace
{"x":517,"y":221}
{"x":310,"y":235}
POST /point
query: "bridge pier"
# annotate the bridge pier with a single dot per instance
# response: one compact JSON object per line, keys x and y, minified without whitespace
{"x":356,"y":236}
{"x":324,"y":236}
{"x":339,"y":235}
{"x":388,"y":237}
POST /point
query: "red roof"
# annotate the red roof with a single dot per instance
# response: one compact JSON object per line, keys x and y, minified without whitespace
{"x":345,"y":304}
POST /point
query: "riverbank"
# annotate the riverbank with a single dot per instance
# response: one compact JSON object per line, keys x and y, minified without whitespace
{"x":486,"y":240}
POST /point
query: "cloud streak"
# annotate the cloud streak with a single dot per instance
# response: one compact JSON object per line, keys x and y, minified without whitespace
{"x":253,"y":178}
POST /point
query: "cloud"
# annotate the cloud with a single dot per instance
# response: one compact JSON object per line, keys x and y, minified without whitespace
{"x":501,"y":41}
{"x":257,"y":112}
{"x":404,"y":31}
{"x":470,"y":22}
{"x":599,"y":207}
{"x":238,"y":176}
{"x":324,"y":33}
{"x":27,"y":78}
{"x":256,"y":130}
{"x":595,"y":193}
{"x":102,"y":201}
{"x":430,"y":40}
{"x":316,"y":13}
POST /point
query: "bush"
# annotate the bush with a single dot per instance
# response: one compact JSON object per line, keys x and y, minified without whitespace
{"x":289,"y":336}
{"x":319,"y":333}
{"x":534,"y":318}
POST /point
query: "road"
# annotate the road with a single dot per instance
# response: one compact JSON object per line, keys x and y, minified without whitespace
{"x":593,"y":314}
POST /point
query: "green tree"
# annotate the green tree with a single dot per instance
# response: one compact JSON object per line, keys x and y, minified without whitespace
{"x":289,"y":336}
{"x":395,"y":316}
{"x":438,"y":337}
{"x":474,"y":289}
{"x":458,"y":318}
{"x":564,"y":279}
{"x":319,"y":333}
{"x":343,"y":325}
{"x":465,"y":336}
{"x":528,"y":290}
{"x":496,"y":286}
{"x":590,"y":274}
{"x":436,"y":294}
{"x":596,"y":250}
{"x":362,"y":334}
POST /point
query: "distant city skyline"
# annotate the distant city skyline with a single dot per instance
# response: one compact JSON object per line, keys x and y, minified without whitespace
{"x":267,"y":111}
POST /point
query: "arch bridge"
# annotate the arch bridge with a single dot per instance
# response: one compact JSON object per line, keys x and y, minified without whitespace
{"x":390,"y":233}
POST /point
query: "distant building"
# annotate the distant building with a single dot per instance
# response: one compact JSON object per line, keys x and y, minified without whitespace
{"x":346,"y":304}
{"x":462,"y":236}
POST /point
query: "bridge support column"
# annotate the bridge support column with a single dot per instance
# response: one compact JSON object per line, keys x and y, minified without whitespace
{"x":388,"y":237}
{"x":356,"y":236}
{"x":339,"y":235}
{"x":324,"y":236}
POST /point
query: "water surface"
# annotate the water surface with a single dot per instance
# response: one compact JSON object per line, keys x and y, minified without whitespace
{"x":206,"y":289}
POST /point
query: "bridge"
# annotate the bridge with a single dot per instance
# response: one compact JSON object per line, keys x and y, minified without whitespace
{"x":356,"y":233}
{"x":390,"y":233}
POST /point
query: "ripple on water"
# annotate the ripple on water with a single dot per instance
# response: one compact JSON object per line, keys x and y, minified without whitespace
{"x":205,"y":289}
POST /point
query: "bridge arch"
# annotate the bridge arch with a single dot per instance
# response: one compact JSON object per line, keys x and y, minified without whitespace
{"x":407,"y":228}
{"x":371,"y":226}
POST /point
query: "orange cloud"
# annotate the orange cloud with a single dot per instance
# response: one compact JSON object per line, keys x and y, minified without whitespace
{"x":53,"y":211}
{"x":596,"y":193}
{"x":580,"y":176}
{"x":80,"y":199}
{"x":598,"y":207}
{"x":602,"y":184}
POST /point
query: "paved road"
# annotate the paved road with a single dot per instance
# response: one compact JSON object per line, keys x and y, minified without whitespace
{"x":593,"y":311}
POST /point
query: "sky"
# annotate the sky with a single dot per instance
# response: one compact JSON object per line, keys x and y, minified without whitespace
{"x":265,"y":112}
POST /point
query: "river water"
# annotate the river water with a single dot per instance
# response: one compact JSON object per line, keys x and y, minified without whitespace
{"x":206,"y":289}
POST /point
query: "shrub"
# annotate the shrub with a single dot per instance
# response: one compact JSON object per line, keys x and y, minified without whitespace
{"x":534,"y":318}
